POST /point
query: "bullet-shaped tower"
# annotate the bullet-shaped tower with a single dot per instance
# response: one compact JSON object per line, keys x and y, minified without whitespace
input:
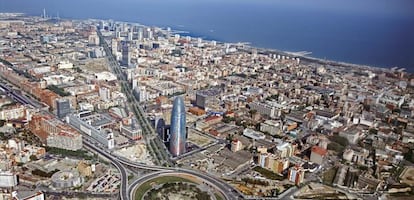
{"x":178,"y":128}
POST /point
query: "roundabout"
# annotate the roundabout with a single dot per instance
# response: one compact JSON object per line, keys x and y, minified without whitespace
{"x":173,"y":185}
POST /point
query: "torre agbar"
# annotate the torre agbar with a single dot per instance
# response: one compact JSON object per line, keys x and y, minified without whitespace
{"x":178,"y":129}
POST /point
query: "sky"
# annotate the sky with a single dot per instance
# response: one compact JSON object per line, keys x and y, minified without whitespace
{"x":375,"y":32}
{"x":361,"y":7}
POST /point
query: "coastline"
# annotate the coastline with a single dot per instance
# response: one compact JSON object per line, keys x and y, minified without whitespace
{"x":333,"y":63}
{"x":248,"y":45}
{"x":302,"y":57}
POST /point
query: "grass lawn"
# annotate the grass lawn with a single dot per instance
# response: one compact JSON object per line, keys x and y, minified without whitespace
{"x":329,"y":176}
{"x":268,"y":174}
{"x":139,"y":193}
{"x":218,"y":197}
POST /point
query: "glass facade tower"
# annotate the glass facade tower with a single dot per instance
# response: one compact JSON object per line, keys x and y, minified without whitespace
{"x":178,"y":128}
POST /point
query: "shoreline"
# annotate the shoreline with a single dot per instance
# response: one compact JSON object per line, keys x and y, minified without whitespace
{"x":333,"y":63}
{"x":322,"y":61}
{"x":248,"y":45}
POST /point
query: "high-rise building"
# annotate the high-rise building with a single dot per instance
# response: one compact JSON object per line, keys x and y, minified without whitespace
{"x":63,"y":107}
{"x":44,"y":16}
{"x":8,"y":179}
{"x":12,"y":112}
{"x":130,"y":36}
{"x":236,"y":145}
{"x":285,"y":150}
{"x":168,"y":32}
{"x":93,"y":39}
{"x":94,"y":125}
{"x":178,"y":128}
{"x":104,"y":94}
{"x":296,"y":174}
{"x":150,"y":34}
{"x":140,"y":34}
{"x":132,"y":131}
{"x":318,"y":154}
{"x":114,"y":46}
{"x":101,"y":25}
{"x":273,"y":162}
{"x":134,"y":83}
{"x":65,"y":139}
{"x":126,"y":55}
{"x":163,"y":130}
{"x":262,"y":159}
{"x":208,"y":98}
{"x":141,"y":93}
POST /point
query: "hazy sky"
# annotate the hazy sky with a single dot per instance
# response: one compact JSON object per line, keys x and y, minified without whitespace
{"x":377,"y":32}
{"x":361,"y":7}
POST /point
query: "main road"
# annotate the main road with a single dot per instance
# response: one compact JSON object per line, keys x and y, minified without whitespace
{"x":19,"y":97}
{"x":228,"y":191}
{"x":154,"y":143}
{"x":124,"y":178}
{"x":125,"y":191}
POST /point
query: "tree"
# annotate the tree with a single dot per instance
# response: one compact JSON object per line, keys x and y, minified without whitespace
{"x":409,"y":155}
{"x":367,"y":107}
{"x":41,"y":173}
{"x":275,"y":192}
{"x":229,"y":137}
{"x":5,"y":62}
{"x":58,"y":90}
{"x":373,"y":131}
{"x":227,"y":119}
{"x":238,"y":123}
{"x":339,"y":139}
{"x":252,"y":112}
{"x":77,"y":69}
{"x":33,"y":158}
{"x":131,"y":176}
{"x":257,"y":127}
{"x":335,"y":147}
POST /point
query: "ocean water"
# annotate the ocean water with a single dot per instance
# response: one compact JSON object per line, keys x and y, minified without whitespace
{"x":370,"y":32}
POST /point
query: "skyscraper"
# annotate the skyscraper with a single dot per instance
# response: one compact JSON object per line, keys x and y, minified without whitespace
{"x":114,"y":46}
{"x":105,"y":94}
{"x":126,"y":55}
{"x":63,"y":107}
{"x":44,"y":13}
{"x":178,"y":128}
{"x":130,"y":36}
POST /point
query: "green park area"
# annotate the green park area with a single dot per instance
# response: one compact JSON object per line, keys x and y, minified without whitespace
{"x":174,"y":187}
{"x":140,"y":192}
{"x":268,"y":174}
{"x":329,"y":176}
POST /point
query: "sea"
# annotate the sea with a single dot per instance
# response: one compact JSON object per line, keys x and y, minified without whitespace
{"x":377,"y":33}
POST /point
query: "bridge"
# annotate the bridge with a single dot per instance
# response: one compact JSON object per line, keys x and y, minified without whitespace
{"x":19,"y":97}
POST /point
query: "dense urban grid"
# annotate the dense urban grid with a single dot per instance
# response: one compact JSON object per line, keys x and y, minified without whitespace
{"x":114,"y":110}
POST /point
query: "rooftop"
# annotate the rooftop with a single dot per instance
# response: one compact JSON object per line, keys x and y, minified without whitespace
{"x":319,"y":150}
